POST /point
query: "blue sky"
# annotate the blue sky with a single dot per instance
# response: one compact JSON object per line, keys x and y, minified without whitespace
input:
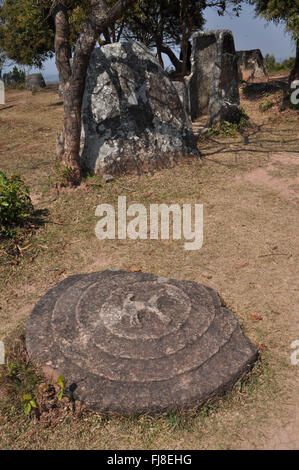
{"x":249,"y":33}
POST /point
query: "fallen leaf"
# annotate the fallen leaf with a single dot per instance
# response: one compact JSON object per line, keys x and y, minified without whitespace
{"x":135,"y":270}
{"x":255,"y":317}
{"x":24,"y":248}
{"x":240,"y":266}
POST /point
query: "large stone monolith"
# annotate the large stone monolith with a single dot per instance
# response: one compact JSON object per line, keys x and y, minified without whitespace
{"x":251,"y":65}
{"x":133,"y":119}
{"x":35,"y":81}
{"x":213,"y":83}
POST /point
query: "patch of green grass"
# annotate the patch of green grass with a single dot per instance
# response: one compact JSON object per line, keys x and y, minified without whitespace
{"x":20,"y":380}
{"x":15,"y":204}
{"x":227,"y":129}
{"x":266,"y":105}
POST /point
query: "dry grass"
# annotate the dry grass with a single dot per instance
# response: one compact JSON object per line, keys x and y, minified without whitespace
{"x":250,"y":256}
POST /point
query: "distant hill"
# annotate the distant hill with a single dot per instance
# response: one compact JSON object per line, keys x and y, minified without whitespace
{"x":51,"y":79}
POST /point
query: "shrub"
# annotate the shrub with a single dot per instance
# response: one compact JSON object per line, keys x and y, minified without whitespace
{"x":265,"y":105}
{"x":15,"y":79}
{"x":15,"y":204}
{"x":273,"y":66}
{"x":230,"y":129}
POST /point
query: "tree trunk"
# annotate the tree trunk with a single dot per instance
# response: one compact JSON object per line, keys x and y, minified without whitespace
{"x":173,"y":58}
{"x":100,"y":18}
{"x":184,"y":48}
{"x":160,"y":58}
{"x":295,"y":72}
{"x":62,"y":44}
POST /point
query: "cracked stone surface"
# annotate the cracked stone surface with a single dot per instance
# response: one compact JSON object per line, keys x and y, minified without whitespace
{"x":132,"y":118}
{"x":134,"y":342}
{"x":214,"y":83}
{"x":251,"y":65}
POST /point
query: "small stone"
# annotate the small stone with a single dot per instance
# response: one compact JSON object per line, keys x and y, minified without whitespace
{"x":107,"y":178}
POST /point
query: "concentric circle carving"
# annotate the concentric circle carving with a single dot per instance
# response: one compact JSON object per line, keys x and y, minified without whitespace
{"x":134,"y":342}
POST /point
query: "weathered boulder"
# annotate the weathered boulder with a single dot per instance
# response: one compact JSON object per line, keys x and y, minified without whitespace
{"x":2,"y":92}
{"x":134,"y":342}
{"x":213,"y":83}
{"x":183,"y":92}
{"x":251,"y":65}
{"x":133,"y":119}
{"x":35,"y":81}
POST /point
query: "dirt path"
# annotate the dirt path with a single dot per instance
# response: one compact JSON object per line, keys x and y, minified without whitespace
{"x":278,"y":175}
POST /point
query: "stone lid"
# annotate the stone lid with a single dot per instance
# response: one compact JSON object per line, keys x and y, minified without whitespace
{"x":134,"y":342}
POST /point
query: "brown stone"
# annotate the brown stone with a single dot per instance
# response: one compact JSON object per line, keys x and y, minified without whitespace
{"x":251,"y":65}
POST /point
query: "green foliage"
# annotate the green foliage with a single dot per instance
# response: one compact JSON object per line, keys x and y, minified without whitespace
{"x":26,"y":32}
{"x":28,"y":403}
{"x":273,"y":66}
{"x":226,"y":128}
{"x":229,"y":129}
{"x":285,"y":11}
{"x":164,"y":21}
{"x":266,"y":105}
{"x":15,"y":204}
{"x":27,"y":29}
{"x":21,"y":382}
{"x":63,"y":172}
{"x":15,"y":79}
{"x":61,"y":383}
{"x":12,"y":370}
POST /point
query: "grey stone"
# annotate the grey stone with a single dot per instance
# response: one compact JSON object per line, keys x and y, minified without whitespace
{"x":213,"y":83}
{"x":107,"y":178}
{"x":137,"y":343}
{"x":251,"y":65}
{"x":35,"y":81}
{"x":181,"y":87}
{"x":133,"y":119}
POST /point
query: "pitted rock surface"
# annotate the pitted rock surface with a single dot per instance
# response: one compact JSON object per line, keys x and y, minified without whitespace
{"x":134,"y":342}
{"x":214,"y":84}
{"x":251,"y":65}
{"x":132,"y":118}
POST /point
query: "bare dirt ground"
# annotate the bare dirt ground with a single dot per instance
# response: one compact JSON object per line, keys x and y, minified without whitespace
{"x":249,"y":186}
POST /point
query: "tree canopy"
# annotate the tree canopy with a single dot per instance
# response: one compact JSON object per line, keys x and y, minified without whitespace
{"x":286,"y":12}
{"x":27,"y":28}
{"x":26,"y":34}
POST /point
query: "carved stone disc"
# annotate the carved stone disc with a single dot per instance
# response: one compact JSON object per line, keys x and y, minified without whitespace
{"x":134,"y":342}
